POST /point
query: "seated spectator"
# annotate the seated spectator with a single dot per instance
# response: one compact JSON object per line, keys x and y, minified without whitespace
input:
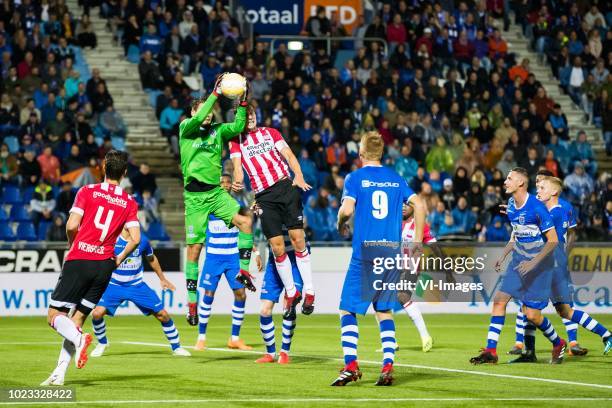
{"x":405,"y":165}
{"x":577,"y":76}
{"x":57,"y":230}
{"x":132,"y":33}
{"x":9,"y":167}
{"x":86,"y":37}
{"x":170,"y":119}
{"x":497,"y":231}
{"x":336,"y":154}
{"x":29,"y":169}
{"x":150,"y":41}
{"x":498,"y":48}
{"x":463,"y":219}
{"x":27,"y":111}
{"x":436,"y":217}
{"x":448,"y":227}
{"x":101,"y":99}
{"x":42,"y":203}
{"x":581,"y":150}
{"x":144,"y":180}
{"x":71,"y":85}
{"x":65,"y":199}
{"x":74,"y":161}
{"x":112,"y":123}
{"x":49,"y":165}
{"x":439,"y":157}
{"x":150,"y":75}
{"x":558,"y":120}
{"x":58,"y":126}
{"x":520,"y":71}
{"x":579,"y":184}
{"x":308,"y":169}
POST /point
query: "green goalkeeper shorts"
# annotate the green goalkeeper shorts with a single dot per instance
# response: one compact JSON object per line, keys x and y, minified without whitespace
{"x":199,"y":206}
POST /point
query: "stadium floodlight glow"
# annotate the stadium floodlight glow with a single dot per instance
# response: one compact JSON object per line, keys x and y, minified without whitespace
{"x":295,"y":45}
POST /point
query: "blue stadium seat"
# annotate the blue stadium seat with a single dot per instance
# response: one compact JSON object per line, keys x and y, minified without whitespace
{"x":43,"y":227}
{"x":26,"y":231}
{"x":12,"y":143}
{"x":3,"y":215}
{"x":133,"y":54}
{"x":157,"y":232}
{"x":11,"y":195}
{"x":19,"y":213}
{"x":6,"y":232}
{"x":28,"y":192}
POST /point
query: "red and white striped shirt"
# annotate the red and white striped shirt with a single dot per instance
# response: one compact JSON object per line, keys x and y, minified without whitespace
{"x":105,"y":209}
{"x":408,"y":232}
{"x":260,"y":153}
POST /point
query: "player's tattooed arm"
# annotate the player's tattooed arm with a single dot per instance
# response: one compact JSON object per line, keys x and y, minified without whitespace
{"x":132,"y":243}
{"x":72,"y":227}
{"x":163,"y":281}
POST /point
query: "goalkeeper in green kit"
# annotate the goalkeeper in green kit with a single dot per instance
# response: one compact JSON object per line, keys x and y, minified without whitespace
{"x":201,"y":145}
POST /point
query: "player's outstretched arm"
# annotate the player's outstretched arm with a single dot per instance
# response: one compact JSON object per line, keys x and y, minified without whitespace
{"x":72,"y":226}
{"x":228,"y":131}
{"x":132,"y":243}
{"x":163,"y":281}
{"x":294,"y":165}
{"x":190,"y":127}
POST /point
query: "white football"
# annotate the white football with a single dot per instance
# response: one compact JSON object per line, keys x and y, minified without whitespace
{"x":233,"y":85}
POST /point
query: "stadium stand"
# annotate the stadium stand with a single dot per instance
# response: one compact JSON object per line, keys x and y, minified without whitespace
{"x":57,"y":117}
{"x":460,"y":98}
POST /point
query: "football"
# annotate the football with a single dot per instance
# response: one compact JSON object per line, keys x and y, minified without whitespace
{"x":233,"y":85}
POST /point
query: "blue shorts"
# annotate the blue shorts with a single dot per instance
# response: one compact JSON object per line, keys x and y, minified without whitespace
{"x":140,"y":295}
{"x":532,"y":289}
{"x":214,"y":268}
{"x":272,"y":285}
{"x":356,"y":298}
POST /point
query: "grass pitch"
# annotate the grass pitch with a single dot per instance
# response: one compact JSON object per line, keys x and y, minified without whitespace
{"x":139,"y":370}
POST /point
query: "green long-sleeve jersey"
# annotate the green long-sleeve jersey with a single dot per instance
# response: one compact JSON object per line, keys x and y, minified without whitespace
{"x":201,"y":148}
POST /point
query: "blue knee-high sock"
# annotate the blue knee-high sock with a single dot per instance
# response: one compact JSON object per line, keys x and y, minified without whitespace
{"x":349,"y":337}
{"x":288,"y":329}
{"x":99,"y":327}
{"x":204,"y":310}
{"x":387,"y":338}
{"x":495,"y":327}
{"x":171,"y":333}
{"x":572,"y":330}
{"x":520,"y":327}
{"x":266,"y":324}
{"x":549,"y":331}
{"x":586,"y":321}
{"x":237,"y":318}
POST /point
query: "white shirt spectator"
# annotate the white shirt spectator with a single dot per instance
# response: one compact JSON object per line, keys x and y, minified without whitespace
{"x":576,"y":77}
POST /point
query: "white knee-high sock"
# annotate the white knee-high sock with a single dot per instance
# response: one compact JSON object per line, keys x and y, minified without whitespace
{"x":302,"y":259}
{"x":66,"y":353}
{"x":417,"y":318}
{"x":67,"y":329}
{"x":283,"y":266}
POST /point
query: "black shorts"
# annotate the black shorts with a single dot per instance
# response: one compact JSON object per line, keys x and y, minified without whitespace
{"x":280,"y":205}
{"x":81,"y":284}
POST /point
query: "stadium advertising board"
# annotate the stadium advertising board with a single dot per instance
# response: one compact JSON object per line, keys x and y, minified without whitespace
{"x":27,"y":292}
{"x":289,"y":17}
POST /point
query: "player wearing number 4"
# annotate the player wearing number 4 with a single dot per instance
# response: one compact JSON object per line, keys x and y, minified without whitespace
{"x":99,"y":213}
{"x":201,"y":144}
{"x":264,"y":154}
{"x":374,"y":195}
{"x":127,"y":284}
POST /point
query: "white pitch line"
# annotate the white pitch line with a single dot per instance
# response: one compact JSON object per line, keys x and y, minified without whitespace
{"x":287,"y":400}
{"x":422,"y":367}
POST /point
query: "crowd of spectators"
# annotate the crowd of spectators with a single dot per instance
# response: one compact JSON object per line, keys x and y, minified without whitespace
{"x":454,"y":106}
{"x":57,"y":119}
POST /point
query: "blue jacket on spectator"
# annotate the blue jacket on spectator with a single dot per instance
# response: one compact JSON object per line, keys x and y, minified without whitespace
{"x":561,"y":154}
{"x":435,"y":219}
{"x":464,"y":220}
{"x":496,"y":231}
{"x":170,"y":117}
{"x":307,"y":101}
{"x":406,"y":167}
{"x":40,"y":98}
{"x":149,"y":42}
{"x":309,"y":170}
{"x":209,"y":74}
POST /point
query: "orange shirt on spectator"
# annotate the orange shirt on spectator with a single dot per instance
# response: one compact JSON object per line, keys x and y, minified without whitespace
{"x":497,"y":48}
{"x":49,"y":167}
{"x":336,"y":154}
{"x":518,"y":71}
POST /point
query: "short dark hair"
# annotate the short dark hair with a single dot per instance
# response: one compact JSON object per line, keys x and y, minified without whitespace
{"x":522,"y":171}
{"x":115,"y":164}
{"x":545,"y":173}
{"x":196,"y":102}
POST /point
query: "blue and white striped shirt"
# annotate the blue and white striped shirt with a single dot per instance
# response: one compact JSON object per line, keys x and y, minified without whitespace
{"x":221,"y":241}
{"x":130,"y":272}
{"x":529,"y":223}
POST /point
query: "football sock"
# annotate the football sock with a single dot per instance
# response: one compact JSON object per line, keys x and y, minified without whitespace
{"x":414,"y":312}
{"x":171,"y":334}
{"x":549,"y":331}
{"x":245,"y":247}
{"x":288,"y":329}
{"x":99,"y":327}
{"x":302,"y":259}
{"x":283,"y":266}
{"x":67,"y":329}
{"x":349,"y":337}
{"x":495,"y":327}
{"x":586,"y":321}
{"x":66,"y":353}
{"x":387,"y":338}
{"x":266,"y":324}
{"x":520,"y":327}
{"x":237,"y":318}
{"x":530,"y":332}
{"x":572,"y":330}
{"x":191,"y":276}
{"x":204,"y":310}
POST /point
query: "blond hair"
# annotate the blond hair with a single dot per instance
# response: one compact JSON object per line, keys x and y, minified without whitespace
{"x":555,"y":182}
{"x":372,"y":146}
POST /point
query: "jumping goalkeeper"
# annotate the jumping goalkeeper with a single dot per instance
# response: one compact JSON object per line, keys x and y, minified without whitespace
{"x":201,"y":145}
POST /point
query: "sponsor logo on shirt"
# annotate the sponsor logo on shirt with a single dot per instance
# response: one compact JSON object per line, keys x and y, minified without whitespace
{"x":259,"y":148}
{"x":368,"y":183}
{"x":111,"y":200}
